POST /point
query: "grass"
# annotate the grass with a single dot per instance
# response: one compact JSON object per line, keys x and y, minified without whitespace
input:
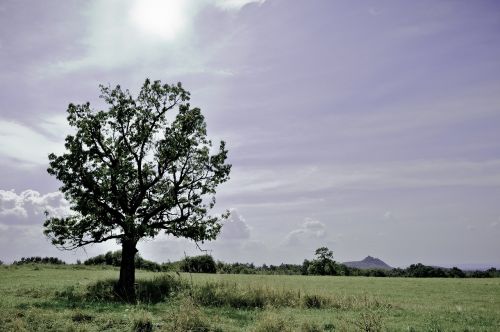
{"x":80,"y":298}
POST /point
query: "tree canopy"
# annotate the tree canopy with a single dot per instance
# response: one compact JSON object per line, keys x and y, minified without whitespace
{"x":133,"y":171}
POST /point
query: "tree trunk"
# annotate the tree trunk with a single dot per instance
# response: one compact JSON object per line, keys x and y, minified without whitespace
{"x":126,"y":287}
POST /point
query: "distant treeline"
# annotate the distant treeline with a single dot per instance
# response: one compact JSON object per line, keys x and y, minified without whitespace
{"x":413,"y":271}
{"x":114,"y":258}
{"x":322,"y":265}
{"x":39,"y":260}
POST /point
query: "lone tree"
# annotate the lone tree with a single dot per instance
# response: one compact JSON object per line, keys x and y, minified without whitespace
{"x":323,"y":264}
{"x":133,"y":171}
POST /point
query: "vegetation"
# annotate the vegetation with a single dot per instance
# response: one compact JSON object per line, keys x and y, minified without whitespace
{"x":198,"y":264}
{"x":82,"y":298}
{"x":325,"y":267}
{"x":130,"y":173}
{"x":323,"y":264}
{"x":114,"y":258}
{"x":250,"y":268}
{"x":39,"y":260}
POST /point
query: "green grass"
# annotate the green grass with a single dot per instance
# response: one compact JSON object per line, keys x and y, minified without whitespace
{"x":55,"y":298}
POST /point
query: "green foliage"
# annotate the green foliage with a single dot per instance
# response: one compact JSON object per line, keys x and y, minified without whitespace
{"x":81,"y":317}
{"x":323,"y":264}
{"x":171,"y":266}
{"x":29,"y":302}
{"x":222,"y":294}
{"x":189,"y":318}
{"x":315,"y":301}
{"x":273,"y":322}
{"x":311,"y":327}
{"x":142,"y":322}
{"x":198,"y":264}
{"x":114,"y":258}
{"x":39,"y":260}
{"x":371,"y":318}
{"x":130,"y":173}
{"x":250,"y":268}
{"x":231,"y":295}
{"x":153,"y":290}
{"x":324,"y":254}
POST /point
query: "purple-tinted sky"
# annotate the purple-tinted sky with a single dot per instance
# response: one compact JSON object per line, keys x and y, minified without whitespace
{"x":371,"y":127}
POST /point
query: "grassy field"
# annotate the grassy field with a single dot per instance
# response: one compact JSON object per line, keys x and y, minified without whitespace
{"x":47,"y":298}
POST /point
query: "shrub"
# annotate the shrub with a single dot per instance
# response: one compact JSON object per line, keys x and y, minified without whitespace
{"x":114,"y":258}
{"x":455,"y":272}
{"x":315,"y":301}
{"x":188,"y":317}
{"x":311,"y":327}
{"x":271,"y":322}
{"x":369,"y":321}
{"x":142,"y":322}
{"x":220,"y":294}
{"x":39,"y":260}
{"x":147,"y":291}
{"x":159,"y":288}
{"x":371,"y":317}
{"x":70,"y":294}
{"x":198,"y":264}
{"x":80,"y":317}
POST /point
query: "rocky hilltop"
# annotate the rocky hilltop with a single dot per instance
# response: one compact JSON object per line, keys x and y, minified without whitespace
{"x":369,"y":263}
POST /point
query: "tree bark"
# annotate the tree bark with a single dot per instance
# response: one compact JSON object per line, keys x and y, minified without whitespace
{"x":126,"y":283}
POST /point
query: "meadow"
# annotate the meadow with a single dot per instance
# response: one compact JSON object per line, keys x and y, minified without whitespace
{"x":64,"y":298}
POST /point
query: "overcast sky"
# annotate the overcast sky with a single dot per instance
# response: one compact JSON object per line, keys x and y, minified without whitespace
{"x":370,"y":127}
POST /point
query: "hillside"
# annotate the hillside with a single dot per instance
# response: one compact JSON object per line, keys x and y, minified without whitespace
{"x":368,"y":263}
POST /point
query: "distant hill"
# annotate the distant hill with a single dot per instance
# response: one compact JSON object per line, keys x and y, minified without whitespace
{"x":368,"y":263}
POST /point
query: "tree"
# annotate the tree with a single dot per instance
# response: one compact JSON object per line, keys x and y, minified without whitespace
{"x":323,"y":264}
{"x":134,"y":170}
{"x":198,"y":264}
{"x":324,"y":254}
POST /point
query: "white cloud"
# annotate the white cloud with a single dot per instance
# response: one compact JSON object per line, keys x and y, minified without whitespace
{"x":300,"y":179}
{"x":235,"y":228}
{"x":234,"y":4}
{"x":388,"y":215}
{"x":55,"y":127}
{"x":25,"y":145}
{"x":123,"y":32}
{"x":429,"y":114}
{"x":310,"y":230}
{"x":29,"y":205}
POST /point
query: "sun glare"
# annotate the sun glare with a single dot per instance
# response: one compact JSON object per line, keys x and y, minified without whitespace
{"x":161,"y":18}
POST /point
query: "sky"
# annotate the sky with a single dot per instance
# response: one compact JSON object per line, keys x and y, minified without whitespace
{"x":369,"y":127}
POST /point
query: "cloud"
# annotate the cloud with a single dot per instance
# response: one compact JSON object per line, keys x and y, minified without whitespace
{"x":292,"y":180}
{"x":388,"y":215}
{"x":235,"y":228}
{"x":122,"y":33}
{"x":234,"y":4}
{"x":25,"y":144}
{"x":309,"y":230}
{"x":30,"y":145}
{"x":29,"y":206}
